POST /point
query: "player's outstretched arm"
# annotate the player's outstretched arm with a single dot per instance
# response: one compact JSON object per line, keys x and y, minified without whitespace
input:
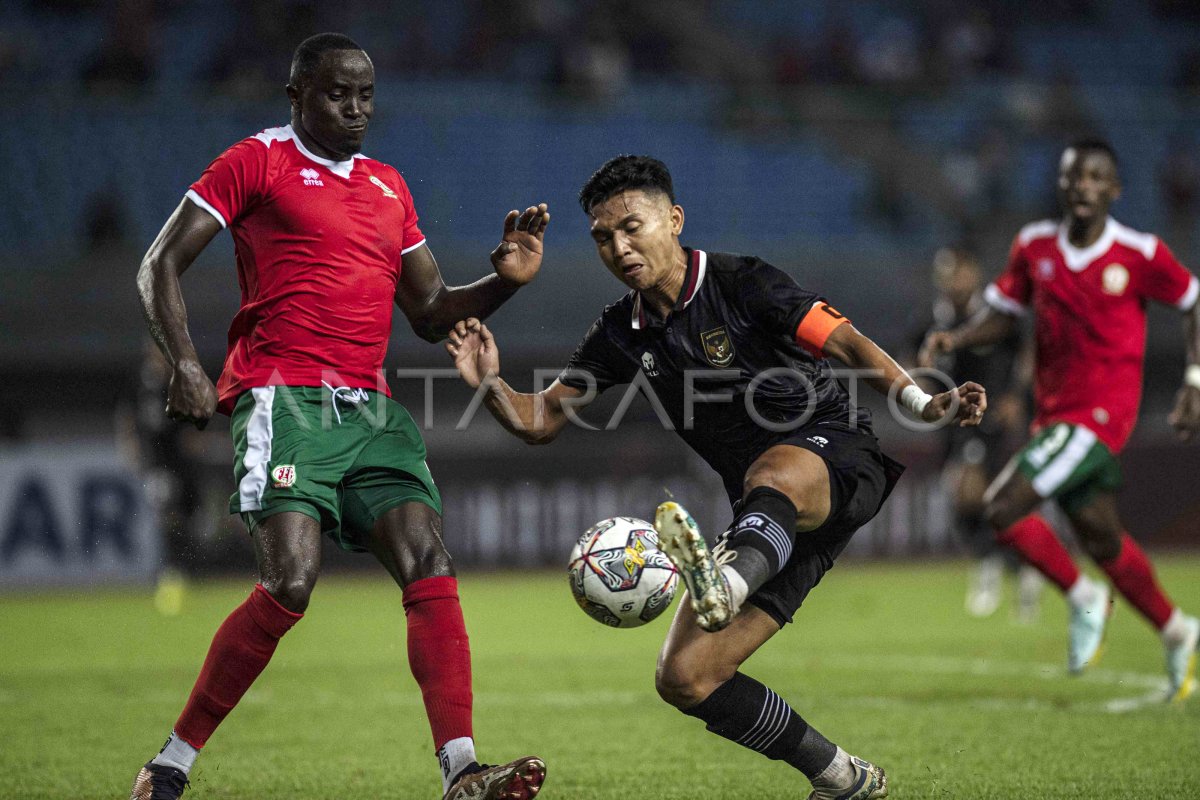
{"x":967,"y":402}
{"x":533,"y":418}
{"x":191,"y":396}
{"x":1186,"y":414}
{"x":987,"y":327}
{"x":432,"y":307}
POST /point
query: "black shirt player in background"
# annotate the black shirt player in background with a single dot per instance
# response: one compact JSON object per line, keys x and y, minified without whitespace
{"x":975,"y":455}
{"x":802,"y":468}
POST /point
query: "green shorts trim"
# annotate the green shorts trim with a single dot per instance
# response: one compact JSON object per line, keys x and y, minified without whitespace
{"x":343,"y":458}
{"x":1070,"y":464}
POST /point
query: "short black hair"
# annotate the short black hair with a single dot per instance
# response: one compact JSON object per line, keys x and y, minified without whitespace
{"x":1094,"y":144}
{"x":622,"y":173}
{"x":308,"y":55}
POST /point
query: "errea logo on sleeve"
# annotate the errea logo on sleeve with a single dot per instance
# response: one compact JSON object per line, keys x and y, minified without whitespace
{"x":311,"y":177}
{"x":387,"y":191}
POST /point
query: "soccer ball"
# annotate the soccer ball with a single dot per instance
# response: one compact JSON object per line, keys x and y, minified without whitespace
{"x":618,"y":574}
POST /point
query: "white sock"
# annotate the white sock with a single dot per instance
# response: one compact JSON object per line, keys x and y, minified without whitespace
{"x":839,"y":774}
{"x":1083,"y":592}
{"x":455,"y":756}
{"x":177,"y":753}
{"x":737,"y":587}
{"x":1176,"y":629}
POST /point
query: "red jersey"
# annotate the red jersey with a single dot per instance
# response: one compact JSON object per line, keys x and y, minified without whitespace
{"x":1090,"y":308}
{"x":319,"y":246}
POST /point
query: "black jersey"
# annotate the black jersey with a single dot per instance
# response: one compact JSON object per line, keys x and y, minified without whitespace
{"x":726,"y":364}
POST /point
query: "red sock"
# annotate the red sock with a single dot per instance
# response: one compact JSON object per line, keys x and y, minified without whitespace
{"x":1133,"y":576}
{"x":1034,"y":539}
{"x":240,"y":650}
{"x":440,"y":656}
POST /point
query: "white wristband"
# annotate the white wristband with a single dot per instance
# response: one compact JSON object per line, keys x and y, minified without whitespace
{"x":1191,"y":376}
{"x":914,"y":399}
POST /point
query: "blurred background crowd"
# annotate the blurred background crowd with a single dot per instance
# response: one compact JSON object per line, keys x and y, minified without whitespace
{"x":845,"y":142}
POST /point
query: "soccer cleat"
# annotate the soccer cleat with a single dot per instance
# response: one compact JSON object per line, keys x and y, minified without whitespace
{"x":1181,"y":663}
{"x":1088,"y":625}
{"x":158,"y":782}
{"x":983,"y":595}
{"x":870,"y":783}
{"x":517,"y":780}
{"x":681,"y":540}
{"x":1029,"y":594}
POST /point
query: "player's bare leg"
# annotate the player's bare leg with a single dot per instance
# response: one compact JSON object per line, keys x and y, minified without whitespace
{"x":786,"y":490}
{"x":698,"y":674}
{"x":1011,"y":504}
{"x":407,"y":541}
{"x":1106,"y":541}
{"x":288,"y":550}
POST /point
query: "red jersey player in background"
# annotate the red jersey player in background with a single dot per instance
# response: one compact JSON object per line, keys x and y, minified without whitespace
{"x":327,"y":242}
{"x":1086,"y":280}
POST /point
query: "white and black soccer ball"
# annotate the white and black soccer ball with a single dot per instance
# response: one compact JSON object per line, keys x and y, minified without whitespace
{"x":619,"y":576}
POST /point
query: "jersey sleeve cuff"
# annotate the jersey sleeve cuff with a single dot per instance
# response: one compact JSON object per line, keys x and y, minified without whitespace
{"x":195,"y":197}
{"x":1189,"y":296}
{"x":412,"y":247}
{"x":1002,"y":302}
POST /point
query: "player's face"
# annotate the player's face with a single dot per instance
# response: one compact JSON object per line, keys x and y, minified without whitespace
{"x":337,"y":103}
{"x":637,"y":236}
{"x":1087,"y":184}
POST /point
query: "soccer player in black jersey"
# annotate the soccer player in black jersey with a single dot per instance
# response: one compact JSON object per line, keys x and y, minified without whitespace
{"x":735,"y":352}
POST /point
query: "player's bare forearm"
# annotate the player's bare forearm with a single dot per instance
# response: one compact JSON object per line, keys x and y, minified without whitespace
{"x":480,"y":299}
{"x":989,"y":327}
{"x":191,"y":396}
{"x":181,"y":239}
{"x":858,"y":352}
{"x":523,"y":415}
{"x":533,"y":418}
{"x":432,"y":307}
{"x":964,"y":404}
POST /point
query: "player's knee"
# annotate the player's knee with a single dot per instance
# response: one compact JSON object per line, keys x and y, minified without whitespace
{"x":684,"y":682}
{"x":292,"y":590}
{"x":1002,"y":515}
{"x":419,"y":553}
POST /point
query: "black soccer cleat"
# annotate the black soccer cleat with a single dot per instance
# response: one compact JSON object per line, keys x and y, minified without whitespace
{"x":158,"y":782}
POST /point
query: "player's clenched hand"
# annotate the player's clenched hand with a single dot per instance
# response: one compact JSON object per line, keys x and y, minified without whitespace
{"x":971,"y":403}
{"x":191,"y":396}
{"x":935,"y":344}
{"x":1186,"y":414}
{"x":519,"y":255}
{"x":474,"y":351}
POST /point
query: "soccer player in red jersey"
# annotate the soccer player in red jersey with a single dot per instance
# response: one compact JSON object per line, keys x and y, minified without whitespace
{"x":1086,"y":280}
{"x":327,"y":241}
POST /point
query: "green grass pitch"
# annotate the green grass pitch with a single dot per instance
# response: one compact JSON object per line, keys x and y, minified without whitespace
{"x":882,"y":660}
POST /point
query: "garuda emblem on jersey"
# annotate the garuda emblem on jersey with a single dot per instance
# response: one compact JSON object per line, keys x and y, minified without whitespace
{"x":718,"y":347}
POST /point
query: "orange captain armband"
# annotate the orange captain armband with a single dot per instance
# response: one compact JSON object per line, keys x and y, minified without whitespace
{"x":814,"y":330}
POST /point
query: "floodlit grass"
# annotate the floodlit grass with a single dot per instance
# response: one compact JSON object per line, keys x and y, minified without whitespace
{"x":882,"y":660}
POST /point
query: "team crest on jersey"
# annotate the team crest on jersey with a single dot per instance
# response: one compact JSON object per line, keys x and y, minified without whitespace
{"x":718,"y":347}
{"x":1114,"y":279}
{"x":649,"y":365}
{"x":387,"y":191}
{"x":311,"y":177}
{"x":1045,"y":268}
{"x":283,"y":476}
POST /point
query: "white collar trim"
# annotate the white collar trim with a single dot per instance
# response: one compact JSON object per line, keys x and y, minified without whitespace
{"x":340,"y":168}
{"x":1078,"y":259}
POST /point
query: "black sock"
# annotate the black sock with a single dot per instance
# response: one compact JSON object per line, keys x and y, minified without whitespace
{"x":748,"y":713}
{"x":762,"y":535}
